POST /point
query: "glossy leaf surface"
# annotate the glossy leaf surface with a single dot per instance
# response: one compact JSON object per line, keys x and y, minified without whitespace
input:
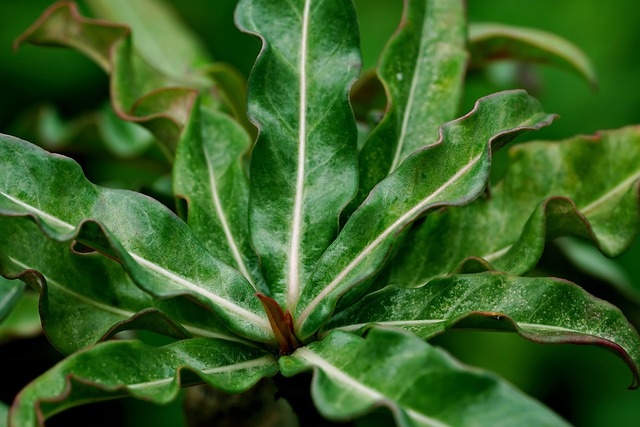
{"x":490,"y":42}
{"x":208,"y":174}
{"x":422,"y":69}
{"x":304,"y":166}
{"x":426,"y":387}
{"x":136,"y":369}
{"x":88,"y":298}
{"x":452,"y":172}
{"x":545,"y":310}
{"x":159,"y":251}
{"x":585,"y":186}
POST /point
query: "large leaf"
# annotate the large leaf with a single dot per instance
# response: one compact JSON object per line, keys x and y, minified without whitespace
{"x":158,"y":250}
{"x":490,"y":42}
{"x":304,"y":165}
{"x":540,"y":309}
{"x":77,"y":309}
{"x":130,"y":368}
{"x":421,"y":385}
{"x":208,"y":174}
{"x":453,"y":171}
{"x":422,"y":69}
{"x":585,"y":185}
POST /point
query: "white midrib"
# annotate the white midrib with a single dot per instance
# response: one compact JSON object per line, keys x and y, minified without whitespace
{"x":235,"y":252}
{"x":356,"y":326}
{"x":14,"y":290}
{"x":623,"y":186}
{"x":586,"y":210}
{"x":409,"y":106}
{"x":374,"y":395}
{"x":293,"y":290}
{"x":194,"y":330}
{"x":367,"y":250}
{"x":266,"y":360}
{"x":261,"y":322}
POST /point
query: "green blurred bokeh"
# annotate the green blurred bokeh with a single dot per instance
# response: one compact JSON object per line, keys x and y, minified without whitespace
{"x":586,"y":385}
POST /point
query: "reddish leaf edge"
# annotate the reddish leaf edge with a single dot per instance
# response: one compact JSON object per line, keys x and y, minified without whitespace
{"x":108,"y":247}
{"x":156,"y":121}
{"x":70,"y":379}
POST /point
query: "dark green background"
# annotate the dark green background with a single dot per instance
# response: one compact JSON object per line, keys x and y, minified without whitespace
{"x":586,"y":385}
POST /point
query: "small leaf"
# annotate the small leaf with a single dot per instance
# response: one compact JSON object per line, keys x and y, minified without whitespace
{"x":138,"y":370}
{"x":4,"y":414}
{"x":586,"y":186}
{"x":490,"y":42}
{"x":123,"y":138}
{"x":158,"y":250}
{"x":161,"y":38}
{"x":139,"y":92}
{"x":541,"y":309}
{"x":208,"y":174}
{"x":10,"y":293}
{"x":23,"y":321}
{"x":78,"y":310}
{"x":422,"y":69}
{"x":232,"y":86}
{"x":453,"y":171}
{"x":419,"y":384}
{"x":304,"y":165}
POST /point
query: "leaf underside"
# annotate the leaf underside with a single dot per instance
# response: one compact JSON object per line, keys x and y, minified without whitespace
{"x":491,"y":42}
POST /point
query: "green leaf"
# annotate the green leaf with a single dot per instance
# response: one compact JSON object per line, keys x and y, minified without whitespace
{"x":541,"y":309}
{"x":232,"y":87}
{"x":123,"y":138}
{"x":10,"y":293}
{"x":453,"y":171}
{"x":161,"y":38}
{"x":139,"y":92}
{"x":304,"y":165}
{"x":23,"y":321}
{"x":138,"y":370}
{"x":585,"y":186}
{"x":78,"y":310}
{"x":208,"y":175}
{"x":420,"y":384}
{"x":4,"y":414}
{"x":490,"y":42}
{"x":157,"y":249}
{"x":422,"y":69}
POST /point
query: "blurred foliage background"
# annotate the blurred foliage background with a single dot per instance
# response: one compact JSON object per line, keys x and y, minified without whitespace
{"x":586,"y":385}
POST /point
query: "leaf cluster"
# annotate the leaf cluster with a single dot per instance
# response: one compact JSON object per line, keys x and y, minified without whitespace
{"x":303,"y":238}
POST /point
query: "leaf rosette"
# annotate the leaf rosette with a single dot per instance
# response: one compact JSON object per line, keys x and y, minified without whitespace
{"x":314,"y":255}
